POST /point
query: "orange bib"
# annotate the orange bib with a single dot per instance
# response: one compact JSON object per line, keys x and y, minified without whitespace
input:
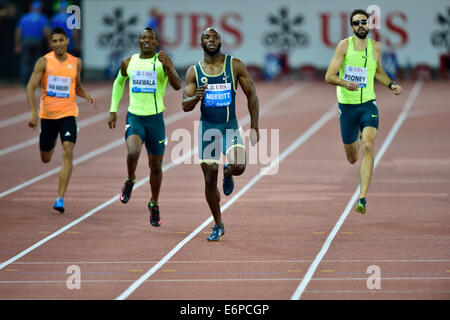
{"x":58,"y":88}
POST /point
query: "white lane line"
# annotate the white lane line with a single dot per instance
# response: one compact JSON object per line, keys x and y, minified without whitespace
{"x":24,"y":116}
{"x":297,"y":143}
{"x":400,"y":119}
{"x":172,"y":118}
{"x":292,"y":90}
{"x":16,"y":119}
{"x":81,"y":124}
{"x":230,"y":280}
{"x":12,"y":99}
{"x":287,"y":93}
{"x":34,"y":140}
{"x":222,"y":261}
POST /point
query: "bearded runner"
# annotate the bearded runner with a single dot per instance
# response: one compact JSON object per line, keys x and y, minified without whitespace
{"x":353,"y":68}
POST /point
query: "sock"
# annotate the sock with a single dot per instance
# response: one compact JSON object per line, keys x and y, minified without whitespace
{"x":153,"y":204}
{"x":128,"y":179}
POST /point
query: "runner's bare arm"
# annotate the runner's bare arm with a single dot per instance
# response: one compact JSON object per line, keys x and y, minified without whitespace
{"x":192,"y":94}
{"x":117,"y":92}
{"x":33,"y":83}
{"x":172,"y":74}
{"x":380,"y":74}
{"x":79,"y":88}
{"x":334,"y":66}
{"x":248,"y":86}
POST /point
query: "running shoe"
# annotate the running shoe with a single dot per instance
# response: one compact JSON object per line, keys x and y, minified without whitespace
{"x":228,"y":183}
{"x":125,"y":195}
{"x":155,"y":218}
{"x":361,"y":206}
{"x":217,"y":232}
{"x":59,"y":205}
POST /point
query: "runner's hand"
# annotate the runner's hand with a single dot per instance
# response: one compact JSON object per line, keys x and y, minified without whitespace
{"x":396,"y":89}
{"x":91,"y":100}
{"x":254,"y":136}
{"x":165,"y":60}
{"x":352,"y":86}
{"x":112,"y":120}
{"x":200,"y":92}
{"x":32,"y":122}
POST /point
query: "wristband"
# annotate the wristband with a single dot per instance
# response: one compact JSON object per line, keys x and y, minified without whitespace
{"x":391,"y":84}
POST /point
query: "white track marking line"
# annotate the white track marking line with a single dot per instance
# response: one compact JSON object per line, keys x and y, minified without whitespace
{"x":297,"y":143}
{"x":16,"y":119}
{"x":34,"y":140}
{"x":80,"y":124}
{"x":291,"y":91}
{"x":400,"y":119}
{"x":227,"y":280}
{"x":172,"y":118}
{"x":12,"y":99}
{"x":97,"y":93}
{"x":219,"y":261}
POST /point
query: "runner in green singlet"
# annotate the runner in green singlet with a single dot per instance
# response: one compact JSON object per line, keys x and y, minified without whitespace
{"x":148,"y":72}
{"x":353,"y":68}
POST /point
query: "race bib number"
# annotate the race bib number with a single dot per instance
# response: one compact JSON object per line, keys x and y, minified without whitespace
{"x":218,"y":95}
{"x":58,"y":86}
{"x":143,"y":81}
{"x":356,"y":74}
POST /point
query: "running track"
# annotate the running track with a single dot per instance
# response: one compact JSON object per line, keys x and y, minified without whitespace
{"x":288,"y":235}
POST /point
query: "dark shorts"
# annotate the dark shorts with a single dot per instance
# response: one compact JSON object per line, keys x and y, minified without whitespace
{"x":355,"y":117}
{"x":66,"y":127}
{"x":150,"y":129}
{"x":217,"y":138}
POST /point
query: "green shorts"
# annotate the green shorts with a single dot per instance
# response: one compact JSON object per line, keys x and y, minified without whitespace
{"x":217,"y":138}
{"x":355,"y":117}
{"x":150,"y":129}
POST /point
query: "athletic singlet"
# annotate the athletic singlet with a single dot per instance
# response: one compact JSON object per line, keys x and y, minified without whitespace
{"x":359,"y":67}
{"x":218,"y":103}
{"x":58,"y":88}
{"x":148,"y":81}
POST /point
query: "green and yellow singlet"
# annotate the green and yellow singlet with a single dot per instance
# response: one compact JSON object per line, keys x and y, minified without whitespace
{"x":148,"y":81}
{"x":360,"y":67}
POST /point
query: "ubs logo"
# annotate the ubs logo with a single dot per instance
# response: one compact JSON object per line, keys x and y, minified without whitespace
{"x":286,"y":34}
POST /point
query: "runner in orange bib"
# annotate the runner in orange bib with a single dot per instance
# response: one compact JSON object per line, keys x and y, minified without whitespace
{"x":58,"y":73}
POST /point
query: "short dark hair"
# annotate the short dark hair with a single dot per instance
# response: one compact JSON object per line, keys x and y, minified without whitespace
{"x":151,"y":30}
{"x":58,"y":30}
{"x":358,"y":11}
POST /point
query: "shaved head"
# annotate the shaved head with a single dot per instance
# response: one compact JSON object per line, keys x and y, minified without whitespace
{"x":210,"y":30}
{"x":211,"y":41}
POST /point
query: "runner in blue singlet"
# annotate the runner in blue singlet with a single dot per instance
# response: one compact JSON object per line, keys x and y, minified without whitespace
{"x":214,"y":81}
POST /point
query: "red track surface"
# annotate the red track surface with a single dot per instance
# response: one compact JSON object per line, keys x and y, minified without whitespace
{"x":274,"y":230}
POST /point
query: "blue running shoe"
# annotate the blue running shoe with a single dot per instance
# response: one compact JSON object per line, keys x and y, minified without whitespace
{"x":228,"y":183}
{"x":218,"y":231}
{"x":361,"y":206}
{"x":59,"y":205}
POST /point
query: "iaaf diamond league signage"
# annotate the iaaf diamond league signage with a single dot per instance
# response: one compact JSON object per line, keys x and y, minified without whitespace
{"x":308,"y":31}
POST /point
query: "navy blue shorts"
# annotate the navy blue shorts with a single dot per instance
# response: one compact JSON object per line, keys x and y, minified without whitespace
{"x":150,"y":129}
{"x":217,"y":138}
{"x":355,"y":117}
{"x":50,"y":128}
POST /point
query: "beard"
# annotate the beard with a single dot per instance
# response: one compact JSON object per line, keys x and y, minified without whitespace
{"x":361,"y":35}
{"x":210,"y":52}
